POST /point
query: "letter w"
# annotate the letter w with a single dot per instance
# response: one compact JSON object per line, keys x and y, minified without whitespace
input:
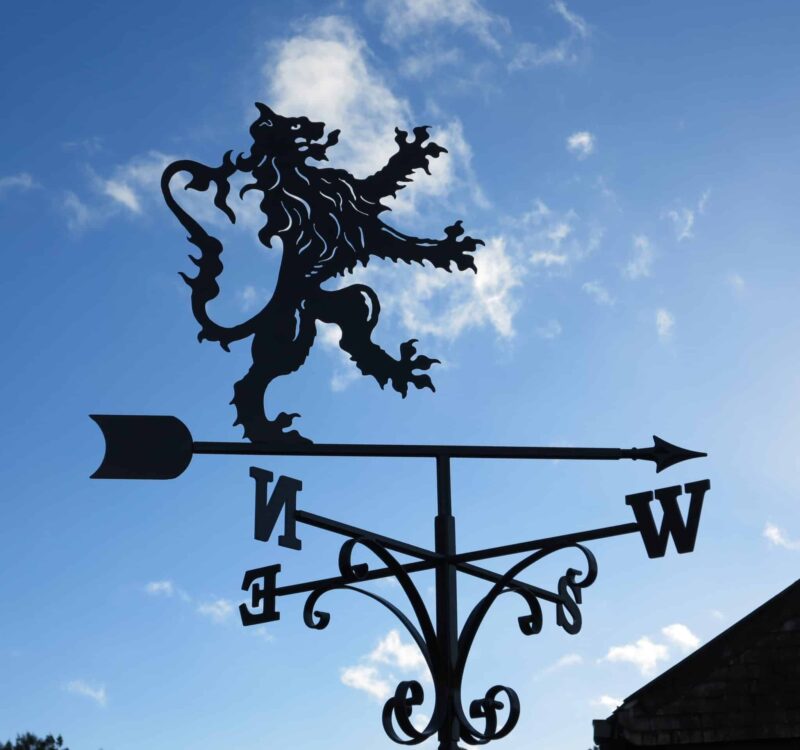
{"x":683,"y":533}
{"x":268,"y":509}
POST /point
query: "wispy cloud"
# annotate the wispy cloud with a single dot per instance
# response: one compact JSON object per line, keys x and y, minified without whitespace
{"x":549,"y":330}
{"x":568,"y":660}
{"x":640,"y":264}
{"x":665,"y":323}
{"x":97,"y":693}
{"x":217,"y":610}
{"x":683,"y":217}
{"x":79,"y":214}
{"x":160,"y":588}
{"x":16,"y":182}
{"x":564,"y":52}
{"x":581,"y":143}
{"x":777,"y":537}
{"x":404,"y":19}
{"x":556,"y":238}
{"x":598,"y":293}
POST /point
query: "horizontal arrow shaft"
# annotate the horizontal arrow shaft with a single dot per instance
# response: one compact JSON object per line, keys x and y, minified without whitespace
{"x":417,"y":451}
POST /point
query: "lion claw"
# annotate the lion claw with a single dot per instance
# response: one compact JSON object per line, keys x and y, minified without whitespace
{"x":404,"y":369}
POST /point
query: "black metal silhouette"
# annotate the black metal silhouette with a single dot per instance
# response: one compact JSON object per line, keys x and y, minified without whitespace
{"x":159,"y":447}
{"x":444,"y":647}
{"x":155,"y":447}
{"x":327,"y":221}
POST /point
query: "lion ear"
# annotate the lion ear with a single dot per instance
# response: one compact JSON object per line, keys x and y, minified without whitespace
{"x":265,"y":112}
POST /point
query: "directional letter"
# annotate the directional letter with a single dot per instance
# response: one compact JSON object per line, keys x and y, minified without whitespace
{"x":672,"y":524}
{"x":263,"y":592}
{"x":284,"y":497}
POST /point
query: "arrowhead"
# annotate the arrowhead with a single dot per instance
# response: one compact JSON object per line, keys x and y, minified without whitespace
{"x":666,"y":454}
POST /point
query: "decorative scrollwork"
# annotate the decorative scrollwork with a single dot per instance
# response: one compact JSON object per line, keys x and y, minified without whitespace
{"x":409,"y":694}
{"x":499,"y":709}
{"x":568,"y":599}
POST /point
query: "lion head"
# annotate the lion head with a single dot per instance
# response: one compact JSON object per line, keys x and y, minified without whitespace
{"x":289,"y":139}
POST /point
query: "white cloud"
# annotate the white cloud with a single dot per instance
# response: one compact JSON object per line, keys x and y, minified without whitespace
{"x":404,"y":19}
{"x":366,"y":678}
{"x":160,"y":588}
{"x":644,"y":654}
{"x":576,"y":23}
{"x":550,"y":330}
{"x":641,"y":263}
{"x":564,"y":52}
{"x":681,"y":636}
{"x":598,"y":293}
{"x":778,"y":537}
{"x":95,"y":693}
{"x":21,"y":181}
{"x":217,"y":610}
{"x":607,"y":702}
{"x":581,"y":143}
{"x":391,"y":650}
{"x":665,"y":323}
{"x":123,"y":194}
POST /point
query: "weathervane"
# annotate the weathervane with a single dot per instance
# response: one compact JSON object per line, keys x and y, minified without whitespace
{"x":327,"y":221}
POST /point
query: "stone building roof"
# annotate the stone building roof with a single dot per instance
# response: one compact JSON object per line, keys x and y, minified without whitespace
{"x":741,"y":690}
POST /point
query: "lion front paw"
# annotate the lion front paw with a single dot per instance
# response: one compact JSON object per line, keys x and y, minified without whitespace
{"x":459,"y":251}
{"x":403,"y":371}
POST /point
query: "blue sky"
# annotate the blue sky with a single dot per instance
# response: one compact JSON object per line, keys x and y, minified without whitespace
{"x":632,"y":168}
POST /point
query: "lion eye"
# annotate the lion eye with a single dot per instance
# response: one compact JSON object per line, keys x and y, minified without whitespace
{"x":296,"y":126}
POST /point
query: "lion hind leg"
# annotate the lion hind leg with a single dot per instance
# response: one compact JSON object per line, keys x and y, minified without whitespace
{"x":282,"y":349}
{"x":355,"y":309}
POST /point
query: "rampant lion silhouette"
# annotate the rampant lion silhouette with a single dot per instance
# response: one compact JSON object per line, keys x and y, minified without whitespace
{"x":327,"y":221}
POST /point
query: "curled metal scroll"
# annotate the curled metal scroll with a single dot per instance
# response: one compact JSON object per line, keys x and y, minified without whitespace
{"x":569,"y":594}
{"x":409,"y":693}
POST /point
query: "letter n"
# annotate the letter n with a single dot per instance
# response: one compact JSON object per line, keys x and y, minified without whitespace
{"x":683,"y":533}
{"x":268,"y":509}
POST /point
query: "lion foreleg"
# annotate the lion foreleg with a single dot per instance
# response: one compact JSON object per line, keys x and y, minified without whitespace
{"x":355,"y":309}
{"x":391,"y":244}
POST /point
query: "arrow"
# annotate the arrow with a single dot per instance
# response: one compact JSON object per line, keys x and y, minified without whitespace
{"x":159,"y":447}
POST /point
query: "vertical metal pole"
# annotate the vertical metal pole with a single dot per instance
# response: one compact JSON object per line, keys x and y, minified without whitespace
{"x":446,"y":600}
